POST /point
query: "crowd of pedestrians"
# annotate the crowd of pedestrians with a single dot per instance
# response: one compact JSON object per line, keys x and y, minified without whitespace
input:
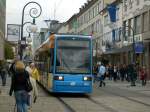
{"x":129,"y":73}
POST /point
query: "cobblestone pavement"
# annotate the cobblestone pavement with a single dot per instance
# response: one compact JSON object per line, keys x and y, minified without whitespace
{"x":115,"y":97}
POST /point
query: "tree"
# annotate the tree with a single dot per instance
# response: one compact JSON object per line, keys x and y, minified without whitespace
{"x":9,"y":54}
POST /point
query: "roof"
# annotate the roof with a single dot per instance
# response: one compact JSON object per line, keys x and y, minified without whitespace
{"x":49,"y":43}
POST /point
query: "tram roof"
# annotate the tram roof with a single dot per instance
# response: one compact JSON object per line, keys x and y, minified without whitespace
{"x":49,"y":43}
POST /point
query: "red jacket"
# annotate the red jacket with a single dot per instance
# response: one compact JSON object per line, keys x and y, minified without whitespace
{"x":142,"y":75}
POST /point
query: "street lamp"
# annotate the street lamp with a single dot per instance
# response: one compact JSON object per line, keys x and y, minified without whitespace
{"x":133,"y":39}
{"x":34,"y":13}
{"x":30,"y":29}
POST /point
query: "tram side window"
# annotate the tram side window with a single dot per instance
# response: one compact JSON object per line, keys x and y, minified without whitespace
{"x":51,"y":59}
{"x":42,"y":63}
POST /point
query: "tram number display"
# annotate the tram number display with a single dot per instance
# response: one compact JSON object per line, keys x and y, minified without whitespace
{"x":73,"y":83}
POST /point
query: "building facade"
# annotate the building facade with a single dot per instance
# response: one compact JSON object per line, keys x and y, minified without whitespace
{"x":2,"y":27}
{"x":136,"y":13}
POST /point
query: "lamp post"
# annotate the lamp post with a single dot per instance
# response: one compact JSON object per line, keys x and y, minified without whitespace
{"x":133,"y":39}
{"x":34,"y":14}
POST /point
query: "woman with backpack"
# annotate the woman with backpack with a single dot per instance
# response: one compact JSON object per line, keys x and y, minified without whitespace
{"x":20,"y":85}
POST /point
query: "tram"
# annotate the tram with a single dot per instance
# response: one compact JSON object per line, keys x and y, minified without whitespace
{"x":65,"y":63}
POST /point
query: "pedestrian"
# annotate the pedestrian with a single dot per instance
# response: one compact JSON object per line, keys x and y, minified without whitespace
{"x":20,"y":85}
{"x":143,"y":75}
{"x":95,"y":72}
{"x":12,"y":67}
{"x":3,"y":72}
{"x":115,"y":73}
{"x":111,"y":72}
{"x":132,"y":74}
{"x":107,"y":71}
{"x":35,"y":73}
{"x":101,"y":73}
{"x":122,"y":72}
{"x":34,"y":93}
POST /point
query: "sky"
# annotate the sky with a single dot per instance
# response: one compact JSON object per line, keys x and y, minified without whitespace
{"x":63,"y":9}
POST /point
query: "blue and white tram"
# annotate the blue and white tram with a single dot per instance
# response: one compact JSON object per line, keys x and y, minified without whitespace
{"x":65,"y":63}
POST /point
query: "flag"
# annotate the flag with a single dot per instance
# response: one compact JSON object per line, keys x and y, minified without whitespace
{"x":112,"y":12}
{"x":113,"y":35}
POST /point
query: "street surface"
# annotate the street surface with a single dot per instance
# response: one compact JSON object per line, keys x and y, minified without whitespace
{"x":115,"y":97}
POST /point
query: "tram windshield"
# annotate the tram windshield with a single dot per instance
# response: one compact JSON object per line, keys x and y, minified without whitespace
{"x":73,"y":56}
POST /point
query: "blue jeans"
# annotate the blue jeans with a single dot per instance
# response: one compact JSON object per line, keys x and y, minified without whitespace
{"x":21,"y":101}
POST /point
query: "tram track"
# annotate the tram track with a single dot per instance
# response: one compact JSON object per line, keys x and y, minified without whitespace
{"x":101,"y":104}
{"x":66,"y":106}
{"x":86,"y":97}
{"x":89,"y":98}
{"x":126,"y":97}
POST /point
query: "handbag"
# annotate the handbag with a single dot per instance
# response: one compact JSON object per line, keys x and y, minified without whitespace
{"x":28,"y":85}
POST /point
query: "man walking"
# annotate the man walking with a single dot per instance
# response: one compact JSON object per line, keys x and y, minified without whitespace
{"x":132,"y":74}
{"x":101,"y":74}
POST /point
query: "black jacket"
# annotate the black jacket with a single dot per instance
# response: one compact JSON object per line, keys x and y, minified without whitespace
{"x":19,"y":81}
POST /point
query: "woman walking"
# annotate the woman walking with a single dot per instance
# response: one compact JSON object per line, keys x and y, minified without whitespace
{"x":20,"y":85}
{"x":34,"y":93}
{"x":35,"y":73}
{"x":143,"y":75}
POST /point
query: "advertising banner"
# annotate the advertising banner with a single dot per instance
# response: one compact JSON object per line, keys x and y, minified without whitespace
{"x":13,"y":32}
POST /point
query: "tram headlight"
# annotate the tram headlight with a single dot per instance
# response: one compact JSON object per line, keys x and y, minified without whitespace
{"x":86,"y":78}
{"x":61,"y":78}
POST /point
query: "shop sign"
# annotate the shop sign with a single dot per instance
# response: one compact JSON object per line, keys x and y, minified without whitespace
{"x":139,"y":47}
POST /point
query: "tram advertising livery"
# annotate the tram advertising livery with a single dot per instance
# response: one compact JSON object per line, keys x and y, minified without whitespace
{"x":65,"y":63}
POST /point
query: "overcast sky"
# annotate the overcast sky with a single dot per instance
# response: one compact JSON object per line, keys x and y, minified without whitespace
{"x":63,"y":9}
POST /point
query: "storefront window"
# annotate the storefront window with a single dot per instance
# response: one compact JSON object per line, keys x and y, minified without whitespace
{"x":145,"y":21}
{"x":137,"y":24}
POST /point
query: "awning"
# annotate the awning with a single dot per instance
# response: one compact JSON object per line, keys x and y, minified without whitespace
{"x":119,"y":50}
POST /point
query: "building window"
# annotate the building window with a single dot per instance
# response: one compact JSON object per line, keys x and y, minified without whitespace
{"x":129,"y":29}
{"x":137,"y":2}
{"x":137,"y":24}
{"x":130,"y":4}
{"x":97,"y":9}
{"x":125,"y":5}
{"x":100,"y":6}
{"x":117,"y":35}
{"x":94,"y":12}
{"x":117,"y":13}
{"x":145,"y":21}
{"x":91,"y":14}
{"x":106,"y":20}
{"x":85,"y":17}
{"x":125,"y":31}
{"x":97,"y":26}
